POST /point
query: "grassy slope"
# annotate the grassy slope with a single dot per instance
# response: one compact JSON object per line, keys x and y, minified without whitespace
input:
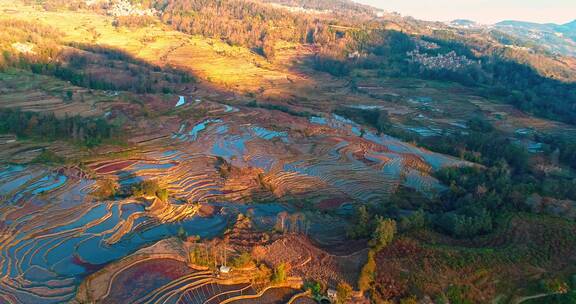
{"x":224,"y":65}
{"x":506,"y":265}
{"x":286,"y":79}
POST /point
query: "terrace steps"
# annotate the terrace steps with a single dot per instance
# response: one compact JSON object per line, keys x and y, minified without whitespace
{"x":162,"y":294}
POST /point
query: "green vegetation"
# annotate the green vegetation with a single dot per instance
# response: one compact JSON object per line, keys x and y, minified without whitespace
{"x":493,"y":74}
{"x":366,"y":277}
{"x":475,"y":194}
{"x":86,"y":131}
{"x":466,"y":222}
{"x":377,"y":119}
{"x":383,"y":234}
{"x":344,"y":292}
{"x":457,"y":294}
{"x":353,"y":40}
{"x":315,"y":288}
{"x":82,"y":65}
{"x":107,"y":189}
{"x":560,"y":149}
{"x":201,"y":257}
{"x":149,"y":188}
{"x":280,"y":274}
{"x":162,"y":194}
{"x":243,"y":260}
{"x":554,"y":286}
{"x":414,"y":221}
{"x":182,"y":233}
{"x":363,"y":226}
{"x":48,"y":157}
{"x":223,"y":167}
{"x":437,"y":244}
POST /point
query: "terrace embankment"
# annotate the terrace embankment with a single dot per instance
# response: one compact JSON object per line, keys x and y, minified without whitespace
{"x":223,"y":161}
{"x":307,"y":260}
{"x":169,"y":278}
{"x":240,"y":157}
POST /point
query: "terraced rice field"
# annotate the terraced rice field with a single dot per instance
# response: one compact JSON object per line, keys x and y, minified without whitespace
{"x":54,"y":234}
{"x":38,"y":93}
{"x":333,"y":158}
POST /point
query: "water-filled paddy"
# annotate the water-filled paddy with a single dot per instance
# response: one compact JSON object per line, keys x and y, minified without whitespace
{"x":67,"y":242}
{"x":181,"y":101}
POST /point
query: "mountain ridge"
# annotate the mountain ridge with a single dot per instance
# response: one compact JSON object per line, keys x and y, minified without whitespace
{"x":531,"y":23}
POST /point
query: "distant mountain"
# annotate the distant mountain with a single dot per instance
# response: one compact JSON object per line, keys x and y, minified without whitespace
{"x":556,"y":38}
{"x":336,"y":6}
{"x":570,"y":25}
{"x":538,"y":26}
{"x":463,"y":23}
{"x":525,"y":24}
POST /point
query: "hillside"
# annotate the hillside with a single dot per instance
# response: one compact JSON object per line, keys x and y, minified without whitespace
{"x":329,"y":6}
{"x":270,"y":151}
{"x":555,"y":38}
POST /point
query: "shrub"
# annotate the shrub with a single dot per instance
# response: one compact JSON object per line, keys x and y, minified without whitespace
{"x":107,"y":188}
{"x":162,"y":194}
{"x":47,"y":127}
{"x":416,"y":220}
{"x":146,"y":188}
{"x":554,"y":286}
{"x":458,"y":295}
{"x":384,"y":233}
{"x":243,"y":260}
{"x":344,"y":291}
{"x":367,"y":273}
{"x":466,"y":223}
{"x":315,"y":288}
{"x":48,"y":157}
{"x":409,"y":300}
{"x":182,"y":233}
{"x":362,"y":226}
{"x":279,"y":275}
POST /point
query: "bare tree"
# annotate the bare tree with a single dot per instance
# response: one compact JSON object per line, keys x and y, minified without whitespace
{"x":281,"y":220}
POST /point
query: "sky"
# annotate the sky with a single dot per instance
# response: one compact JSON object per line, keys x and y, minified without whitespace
{"x":483,"y":11}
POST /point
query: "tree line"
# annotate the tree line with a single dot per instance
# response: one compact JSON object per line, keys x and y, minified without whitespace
{"x":497,"y":74}
{"x":87,"y":131}
{"x":475,"y":195}
{"x":50,"y":56}
{"x":345,"y":43}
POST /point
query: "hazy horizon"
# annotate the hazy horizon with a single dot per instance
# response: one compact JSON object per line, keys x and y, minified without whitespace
{"x":483,"y":11}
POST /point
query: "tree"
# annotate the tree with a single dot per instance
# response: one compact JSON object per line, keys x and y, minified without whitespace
{"x":297,"y":220}
{"x":69,"y":94}
{"x":384,"y":233}
{"x":258,"y":252}
{"x":416,"y":220}
{"x":315,"y":288}
{"x":281,"y":221}
{"x":243,"y":260}
{"x":362,"y":226}
{"x":107,"y":188}
{"x":182,"y":234}
{"x":146,"y":188}
{"x":193,"y":250}
{"x":344,"y":291}
{"x":279,"y":275}
{"x":554,"y":285}
{"x":162,"y":194}
{"x":367,"y":273}
{"x":268,"y":49}
{"x":409,"y":300}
